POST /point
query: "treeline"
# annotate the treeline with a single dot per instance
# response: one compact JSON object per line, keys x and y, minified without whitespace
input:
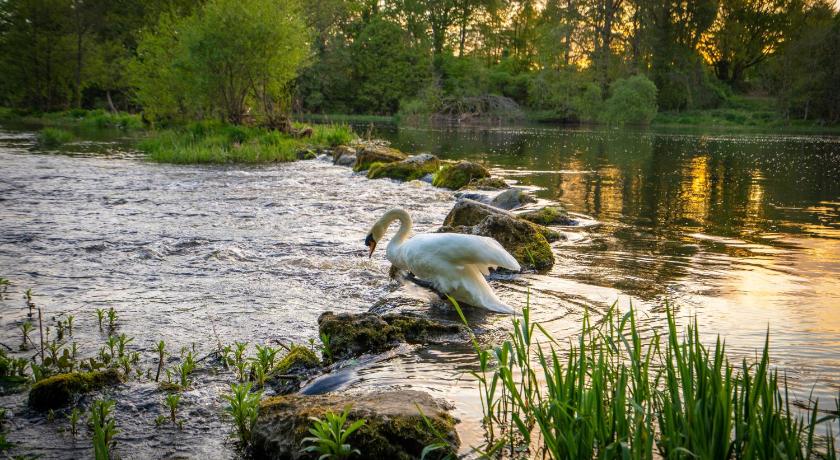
{"x":572,"y":60}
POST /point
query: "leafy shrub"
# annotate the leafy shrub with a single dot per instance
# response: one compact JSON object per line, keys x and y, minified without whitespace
{"x":54,"y":137}
{"x":632,"y":101}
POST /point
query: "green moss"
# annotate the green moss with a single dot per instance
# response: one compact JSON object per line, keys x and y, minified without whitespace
{"x":488,"y":183}
{"x":549,"y":215}
{"x":535,"y":253}
{"x":460,"y":174}
{"x":403,"y":170}
{"x":353,"y":335}
{"x":298,"y":357}
{"x":372,"y":154}
{"x":59,"y":390}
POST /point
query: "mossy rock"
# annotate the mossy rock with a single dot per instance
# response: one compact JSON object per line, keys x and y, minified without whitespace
{"x":549,"y":215}
{"x":412,"y":168}
{"x":356,"y":334}
{"x":342,"y":150}
{"x":468,"y":212}
{"x":487,"y":183}
{"x":460,"y":174}
{"x":306,"y":154}
{"x":512,"y":198}
{"x":59,"y":390}
{"x":371,"y":154}
{"x":394,"y":426}
{"x":527,"y":242}
{"x":298,"y":359}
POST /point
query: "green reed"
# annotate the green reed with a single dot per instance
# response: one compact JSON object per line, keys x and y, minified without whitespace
{"x":615,"y":394}
{"x":104,"y":428}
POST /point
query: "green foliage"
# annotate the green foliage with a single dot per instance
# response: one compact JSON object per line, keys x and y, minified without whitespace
{"x":632,"y":101}
{"x":54,"y":137}
{"x":619,"y":395}
{"x":330,"y":436}
{"x":104,"y":427}
{"x":219,"y":61}
{"x":244,"y":408}
{"x":172,"y":400}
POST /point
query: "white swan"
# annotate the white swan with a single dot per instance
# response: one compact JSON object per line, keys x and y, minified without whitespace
{"x":455,"y":264}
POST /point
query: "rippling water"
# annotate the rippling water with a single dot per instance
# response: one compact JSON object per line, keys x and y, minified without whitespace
{"x":742,"y":232}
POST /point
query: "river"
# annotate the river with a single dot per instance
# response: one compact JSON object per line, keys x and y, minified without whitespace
{"x":740,"y":231}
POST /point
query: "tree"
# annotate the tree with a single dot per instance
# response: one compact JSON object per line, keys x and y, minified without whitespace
{"x":632,"y":101}
{"x":745,"y":33}
{"x":226,"y":59}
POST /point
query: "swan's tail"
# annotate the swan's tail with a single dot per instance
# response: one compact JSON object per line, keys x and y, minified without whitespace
{"x":475,"y":291}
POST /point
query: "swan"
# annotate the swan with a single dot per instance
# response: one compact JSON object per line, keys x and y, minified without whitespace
{"x":453,"y":263}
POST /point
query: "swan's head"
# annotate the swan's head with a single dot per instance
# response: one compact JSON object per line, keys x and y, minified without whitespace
{"x":375,"y":235}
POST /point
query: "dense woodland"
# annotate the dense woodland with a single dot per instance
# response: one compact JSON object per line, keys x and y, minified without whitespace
{"x":568,"y":60}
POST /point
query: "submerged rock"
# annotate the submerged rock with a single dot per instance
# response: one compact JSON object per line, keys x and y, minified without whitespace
{"x":524,"y":240}
{"x":299,"y":364}
{"x":512,"y":198}
{"x":412,"y":168}
{"x":356,"y":334}
{"x":459,"y":174}
{"x":59,"y":390}
{"x":344,"y":156}
{"x":549,"y":215}
{"x":394,"y":424}
{"x":346,"y":160}
{"x":487,"y":183}
{"x":371,"y":154}
{"x":306,"y":154}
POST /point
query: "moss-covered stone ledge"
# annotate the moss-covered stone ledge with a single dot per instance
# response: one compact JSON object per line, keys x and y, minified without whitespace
{"x":458,"y":175}
{"x":412,"y":168}
{"x":370,"y":154}
{"x":394,"y":427}
{"x":59,"y":390}
{"x":353,"y":335}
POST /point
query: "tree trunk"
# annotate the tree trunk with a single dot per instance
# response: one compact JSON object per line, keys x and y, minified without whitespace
{"x":110,"y":101}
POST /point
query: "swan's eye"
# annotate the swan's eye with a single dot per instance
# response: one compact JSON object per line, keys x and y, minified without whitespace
{"x":369,"y":240}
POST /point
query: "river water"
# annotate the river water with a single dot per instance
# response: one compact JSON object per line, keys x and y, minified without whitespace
{"x":740,"y":231}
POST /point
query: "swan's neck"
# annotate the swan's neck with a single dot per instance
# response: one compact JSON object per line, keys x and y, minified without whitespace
{"x":405,"y":225}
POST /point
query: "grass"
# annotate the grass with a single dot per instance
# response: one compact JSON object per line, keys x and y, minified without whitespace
{"x":54,"y":137}
{"x":76,"y":118}
{"x":214,"y":143}
{"x":619,"y":395}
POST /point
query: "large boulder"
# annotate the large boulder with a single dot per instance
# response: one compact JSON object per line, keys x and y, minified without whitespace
{"x":455,"y":176}
{"x":549,"y":215}
{"x":356,"y":334}
{"x":412,"y":168}
{"x":512,"y":198}
{"x":371,"y":154}
{"x":394,"y":425}
{"x":524,"y":240}
{"x":59,"y":390}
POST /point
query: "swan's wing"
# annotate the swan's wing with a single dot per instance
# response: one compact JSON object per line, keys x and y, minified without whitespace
{"x":457,"y":250}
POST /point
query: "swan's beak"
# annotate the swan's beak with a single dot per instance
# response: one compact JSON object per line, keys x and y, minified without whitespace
{"x":371,"y":243}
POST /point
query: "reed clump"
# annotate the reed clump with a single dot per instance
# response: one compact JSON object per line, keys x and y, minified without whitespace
{"x":614,"y":394}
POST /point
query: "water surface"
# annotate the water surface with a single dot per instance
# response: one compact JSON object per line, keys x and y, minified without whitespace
{"x":741,"y":232}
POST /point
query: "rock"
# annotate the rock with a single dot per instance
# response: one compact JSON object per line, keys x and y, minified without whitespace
{"x":299,"y":364}
{"x":59,"y":390}
{"x":487,"y":183}
{"x":512,"y":199}
{"x":394,"y":426}
{"x":460,"y":174}
{"x":467,"y":212}
{"x":371,"y":154}
{"x":345,"y":160}
{"x":414,"y":167}
{"x":524,"y":240}
{"x":356,"y":334}
{"x":342,"y":150}
{"x":549,"y":215}
{"x":306,"y":154}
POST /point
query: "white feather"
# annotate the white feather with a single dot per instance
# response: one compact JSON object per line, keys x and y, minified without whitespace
{"x":454,"y":263}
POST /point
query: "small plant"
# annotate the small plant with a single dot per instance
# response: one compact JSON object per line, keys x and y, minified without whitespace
{"x":184,"y":370}
{"x":243,"y":407}
{"x":172,"y":401}
{"x":161,"y":349}
{"x":104,"y":428}
{"x":125,"y":363}
{"x":75,"y":415}
{"x":122,"y":341}
{"x":266,"y":356}
{"x":239,"y":361}
{"x":4,"y":285}
{"x":160,"y":420}
{"x":70,"y":319}
{"x":112,"y":318}
{"x":258,"y":372}
{"x":326,"y":350}
{"x":330,"y":436}
{"x":100,"y":315}
{"x":25,"y":329}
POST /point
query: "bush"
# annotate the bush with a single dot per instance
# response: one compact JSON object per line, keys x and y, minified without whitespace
{"x":632,"y":101}
{"x":54,"y":137}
